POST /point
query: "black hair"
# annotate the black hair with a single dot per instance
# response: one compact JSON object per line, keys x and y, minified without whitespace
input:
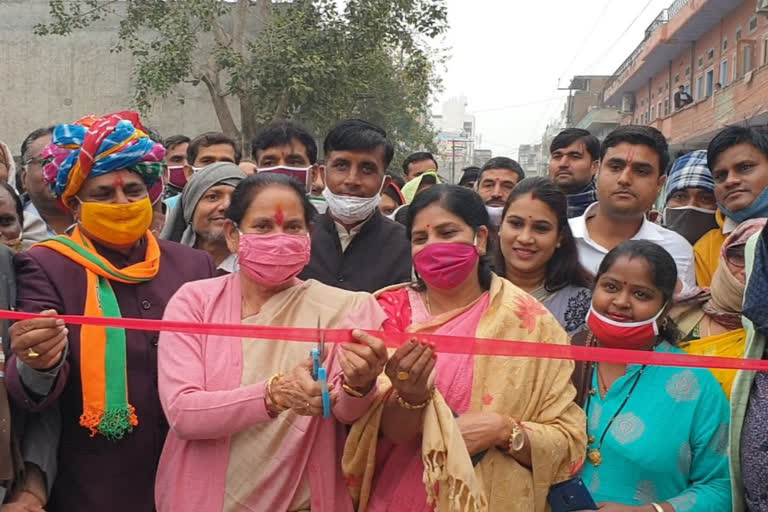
{"x":469,"y":174}
{"x":502,"y":162}
{"x":358,"y":135}
{"x":572,"y":135}
{"x":32,"y":137}
{"x":391,"y":192}
{"x":17,"y":200}
{"x":663,"y":272}
{"x":639,"y":135}
{"x":281,"y":133}
{"x":396,"y":179}
{"x":463,"y":203}
{"x":209,"y":139}
{"x":733,"y":136}
{"x":417,"y":157}
{"x":174,"y":140}
{"x":249,"y":188}
{"x":563,"y":268}
{"x":154,"y":135}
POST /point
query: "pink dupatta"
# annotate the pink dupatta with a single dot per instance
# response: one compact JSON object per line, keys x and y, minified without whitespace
{"x":398,"y":484}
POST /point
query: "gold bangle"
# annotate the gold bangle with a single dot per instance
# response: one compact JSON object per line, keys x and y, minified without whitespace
{"x":351,"y":391}
{"x":657,"y":507}
{"x":516,"y":436}
{"x":410,"y":406}
{"x":270,"y":398}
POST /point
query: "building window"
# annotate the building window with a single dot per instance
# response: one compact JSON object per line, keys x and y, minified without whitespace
{"x":660,"y":90}
{"x":710,"y":82}
{"x":765,"y":52}
{"x":725,"y":44}
{"x":700,"y":88}
{"x":752,"y":24}
{"x":701,"y":62}
{"x":724,"y":73}
{"x":747,"y":59}
{"x":666,"y":107}
{"x":653,"y":112}
{"x":677,"y":76}
{"x":738,"y":34}
{"x":688,"y":71}
{"x":658,"y":108}
{"x":710,"y":54}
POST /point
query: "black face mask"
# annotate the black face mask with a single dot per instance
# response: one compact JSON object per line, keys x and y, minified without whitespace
{"x":690,"y":222}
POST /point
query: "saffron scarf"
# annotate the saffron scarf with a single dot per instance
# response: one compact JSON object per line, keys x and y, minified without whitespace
{"x":106,"y":409}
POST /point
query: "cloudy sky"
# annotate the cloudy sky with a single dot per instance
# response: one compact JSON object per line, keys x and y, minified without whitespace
{"x":506,"y":57}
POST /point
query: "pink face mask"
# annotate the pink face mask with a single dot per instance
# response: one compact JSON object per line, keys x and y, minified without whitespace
{"x":273,"y":260}
{"x":446,"y":265}
{"x":176,"y":176}
{"x":628,"y":335}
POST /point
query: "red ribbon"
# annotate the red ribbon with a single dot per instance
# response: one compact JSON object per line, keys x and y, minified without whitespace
{"x":446,"y":344}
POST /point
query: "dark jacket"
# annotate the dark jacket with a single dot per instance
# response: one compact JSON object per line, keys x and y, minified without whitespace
{"x":377,"y":257}
{"x":37,"y":435}
{"x":94,"y":472}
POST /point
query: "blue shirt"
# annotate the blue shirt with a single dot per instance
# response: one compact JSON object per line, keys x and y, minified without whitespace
{"x":669,"y":442}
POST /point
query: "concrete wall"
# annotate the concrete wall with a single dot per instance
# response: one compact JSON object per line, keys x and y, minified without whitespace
{"x":48,"y":80}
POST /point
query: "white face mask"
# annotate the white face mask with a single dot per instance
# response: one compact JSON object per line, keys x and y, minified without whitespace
{"x":494,"y":212}
{"x":319,"y":203}
{"x":351,"y":209}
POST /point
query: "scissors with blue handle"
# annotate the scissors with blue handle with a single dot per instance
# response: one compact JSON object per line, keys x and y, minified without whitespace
{"x":319,"y":373}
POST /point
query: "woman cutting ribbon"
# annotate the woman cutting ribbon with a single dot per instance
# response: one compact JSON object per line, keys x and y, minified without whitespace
{"x":514,"y":416}
{"x":245,"y":415}
{"x":658,"y":436}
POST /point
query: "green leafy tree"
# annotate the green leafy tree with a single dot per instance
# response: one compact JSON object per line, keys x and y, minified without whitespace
{"x":309,"y":60}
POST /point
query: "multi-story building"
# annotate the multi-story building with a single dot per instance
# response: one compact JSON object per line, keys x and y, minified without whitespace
{"x":481,"y":156}
{"x":529,"y":158}
{"x":717,"y":50}
{"x":586,"y":107}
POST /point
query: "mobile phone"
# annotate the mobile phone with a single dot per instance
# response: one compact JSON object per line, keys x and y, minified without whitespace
{"x":570,"y":495}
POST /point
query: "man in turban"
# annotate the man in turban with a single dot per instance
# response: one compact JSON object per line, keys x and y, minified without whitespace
{"x":103,"y":380}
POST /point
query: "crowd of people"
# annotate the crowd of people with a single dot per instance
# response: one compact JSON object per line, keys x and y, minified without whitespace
{"x":105,"y":219}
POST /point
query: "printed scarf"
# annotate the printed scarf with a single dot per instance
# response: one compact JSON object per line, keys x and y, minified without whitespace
{"x":106,"y":409}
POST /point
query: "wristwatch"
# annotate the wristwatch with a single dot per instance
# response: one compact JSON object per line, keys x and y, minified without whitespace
{"x":516,"y":437}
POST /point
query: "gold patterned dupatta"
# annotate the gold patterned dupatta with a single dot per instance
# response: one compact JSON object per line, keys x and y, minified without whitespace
{"x":537,"y":392}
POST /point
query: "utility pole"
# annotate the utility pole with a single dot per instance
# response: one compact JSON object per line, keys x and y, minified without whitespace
{"x":453,"y":160}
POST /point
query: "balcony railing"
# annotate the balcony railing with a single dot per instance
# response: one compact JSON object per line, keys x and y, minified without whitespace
{"x":664,"y":17}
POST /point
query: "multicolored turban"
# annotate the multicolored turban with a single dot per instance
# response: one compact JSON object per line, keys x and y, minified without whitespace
{"x":94,"y":146}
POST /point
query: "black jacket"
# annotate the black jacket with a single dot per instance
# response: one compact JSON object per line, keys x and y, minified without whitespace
{"x":377,"y":257}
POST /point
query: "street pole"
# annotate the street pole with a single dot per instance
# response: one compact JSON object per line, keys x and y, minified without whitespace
{"x":453,"y":161}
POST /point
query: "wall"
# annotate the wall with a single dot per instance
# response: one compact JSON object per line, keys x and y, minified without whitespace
{"x":48,"y":80}
{"x":685,"y":70}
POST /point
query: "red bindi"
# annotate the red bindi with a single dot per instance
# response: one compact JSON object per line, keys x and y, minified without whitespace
{"x":118,"y":183}
{"x":279,"y":217}
{"x":630,"y":157}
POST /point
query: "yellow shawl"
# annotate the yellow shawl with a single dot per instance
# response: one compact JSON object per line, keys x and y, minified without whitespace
{"x":707,"y":252}
{"x":537,"y":392}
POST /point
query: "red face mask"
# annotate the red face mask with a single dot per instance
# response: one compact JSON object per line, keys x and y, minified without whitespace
{"x":446,"y":265}
{"x":628,"y":335}
{"x":176,"y":176}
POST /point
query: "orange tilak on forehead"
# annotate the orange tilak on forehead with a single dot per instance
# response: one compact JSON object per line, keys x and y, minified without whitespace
{"x":630,"y":157}
{"x":279,"y":216}
{"x":118,"y":182}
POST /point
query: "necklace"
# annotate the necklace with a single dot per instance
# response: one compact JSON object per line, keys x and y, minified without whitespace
{"x":594,"y":455}
{"x":426,"y":302}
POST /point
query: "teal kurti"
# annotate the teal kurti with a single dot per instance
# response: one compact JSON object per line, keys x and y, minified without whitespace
{"x":669,"y":443}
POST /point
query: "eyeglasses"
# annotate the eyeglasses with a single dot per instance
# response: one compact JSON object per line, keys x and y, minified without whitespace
{"x":735,"y":255}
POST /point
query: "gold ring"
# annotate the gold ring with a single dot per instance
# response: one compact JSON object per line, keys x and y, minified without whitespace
{"x":32,"y":354}
{"x":403,"y":376}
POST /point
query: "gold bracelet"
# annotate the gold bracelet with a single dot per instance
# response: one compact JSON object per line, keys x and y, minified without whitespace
{"x":351,"y":391}
{"x":271,"y":399}
{"x":410,"y":406}
{"x":516,"y":436}
{"x":657,"y":507}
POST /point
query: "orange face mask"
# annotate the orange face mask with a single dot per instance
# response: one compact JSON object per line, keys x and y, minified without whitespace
{"x":117,"y":224}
